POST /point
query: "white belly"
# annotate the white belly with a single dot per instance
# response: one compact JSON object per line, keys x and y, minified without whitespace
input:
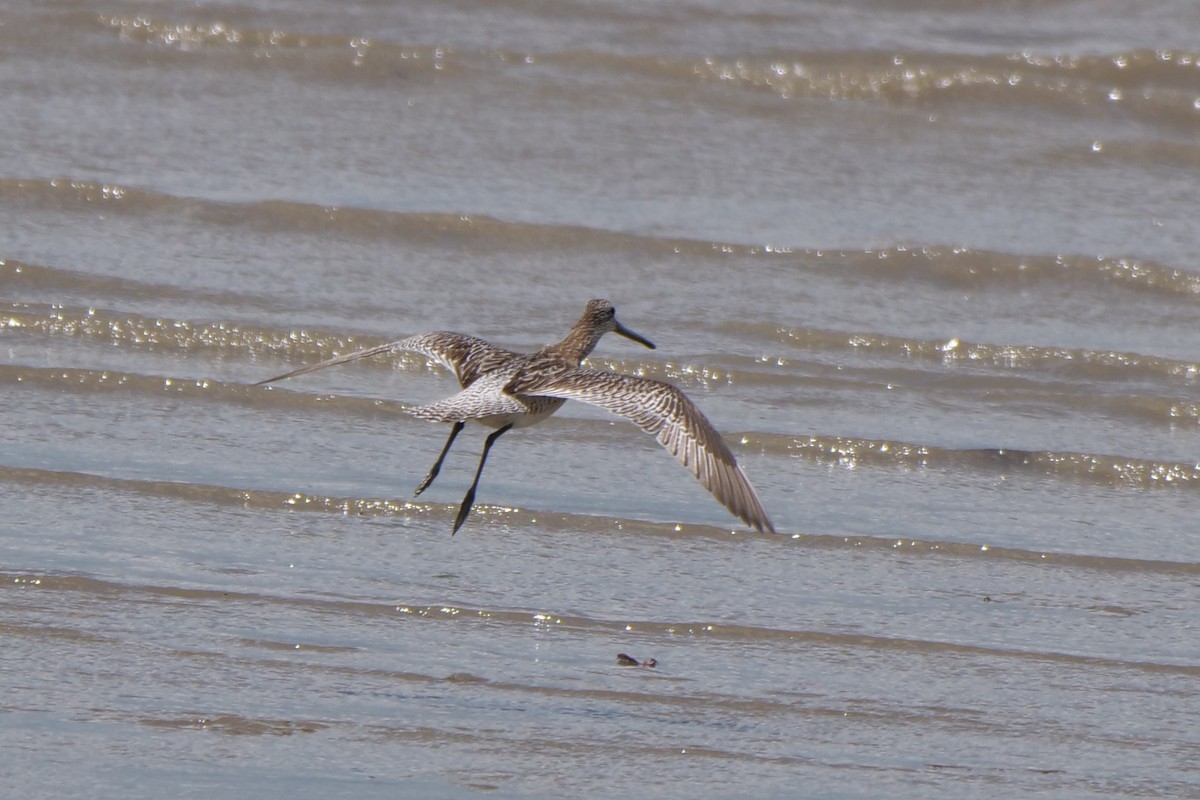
{"x":543,"y":408}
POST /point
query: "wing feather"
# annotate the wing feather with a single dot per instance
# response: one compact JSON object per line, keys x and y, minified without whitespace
{"x":467,"y":357}
{"x":666,"y":413}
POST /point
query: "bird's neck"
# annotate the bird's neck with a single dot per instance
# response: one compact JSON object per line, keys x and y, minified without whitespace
{"x":576,"y":346}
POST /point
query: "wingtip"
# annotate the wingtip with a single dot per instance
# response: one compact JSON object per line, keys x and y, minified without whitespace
{"x":275,"y":378}
{"x":760,"y":524}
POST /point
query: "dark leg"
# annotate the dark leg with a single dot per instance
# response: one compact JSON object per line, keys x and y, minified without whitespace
{"x":437,"y":466}
{"x":469,"y":500}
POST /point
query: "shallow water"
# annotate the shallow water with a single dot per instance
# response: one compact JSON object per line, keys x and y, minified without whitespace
{"x":931,"y":271}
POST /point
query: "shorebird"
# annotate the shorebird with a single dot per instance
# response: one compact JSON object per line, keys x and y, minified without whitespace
{"x":503,"y":390}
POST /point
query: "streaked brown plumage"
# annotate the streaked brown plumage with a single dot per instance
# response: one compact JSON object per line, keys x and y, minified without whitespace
{"x":504,"y":390}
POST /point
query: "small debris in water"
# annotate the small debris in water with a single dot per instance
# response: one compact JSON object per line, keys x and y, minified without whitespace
{"x":630,"y":661}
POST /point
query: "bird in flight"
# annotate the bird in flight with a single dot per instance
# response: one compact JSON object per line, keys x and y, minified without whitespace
{"x":503,"y":390}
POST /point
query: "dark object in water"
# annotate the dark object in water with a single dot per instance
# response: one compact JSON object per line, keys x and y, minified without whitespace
{"x":630,"y":661}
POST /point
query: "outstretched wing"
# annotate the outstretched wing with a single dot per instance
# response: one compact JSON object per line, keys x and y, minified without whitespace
{"x":467,"y":357}
{"x":664,"y":411}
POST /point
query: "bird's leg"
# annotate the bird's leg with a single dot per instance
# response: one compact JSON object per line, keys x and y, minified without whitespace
{"x":437,"y":465}
{"x":469,"y":500}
